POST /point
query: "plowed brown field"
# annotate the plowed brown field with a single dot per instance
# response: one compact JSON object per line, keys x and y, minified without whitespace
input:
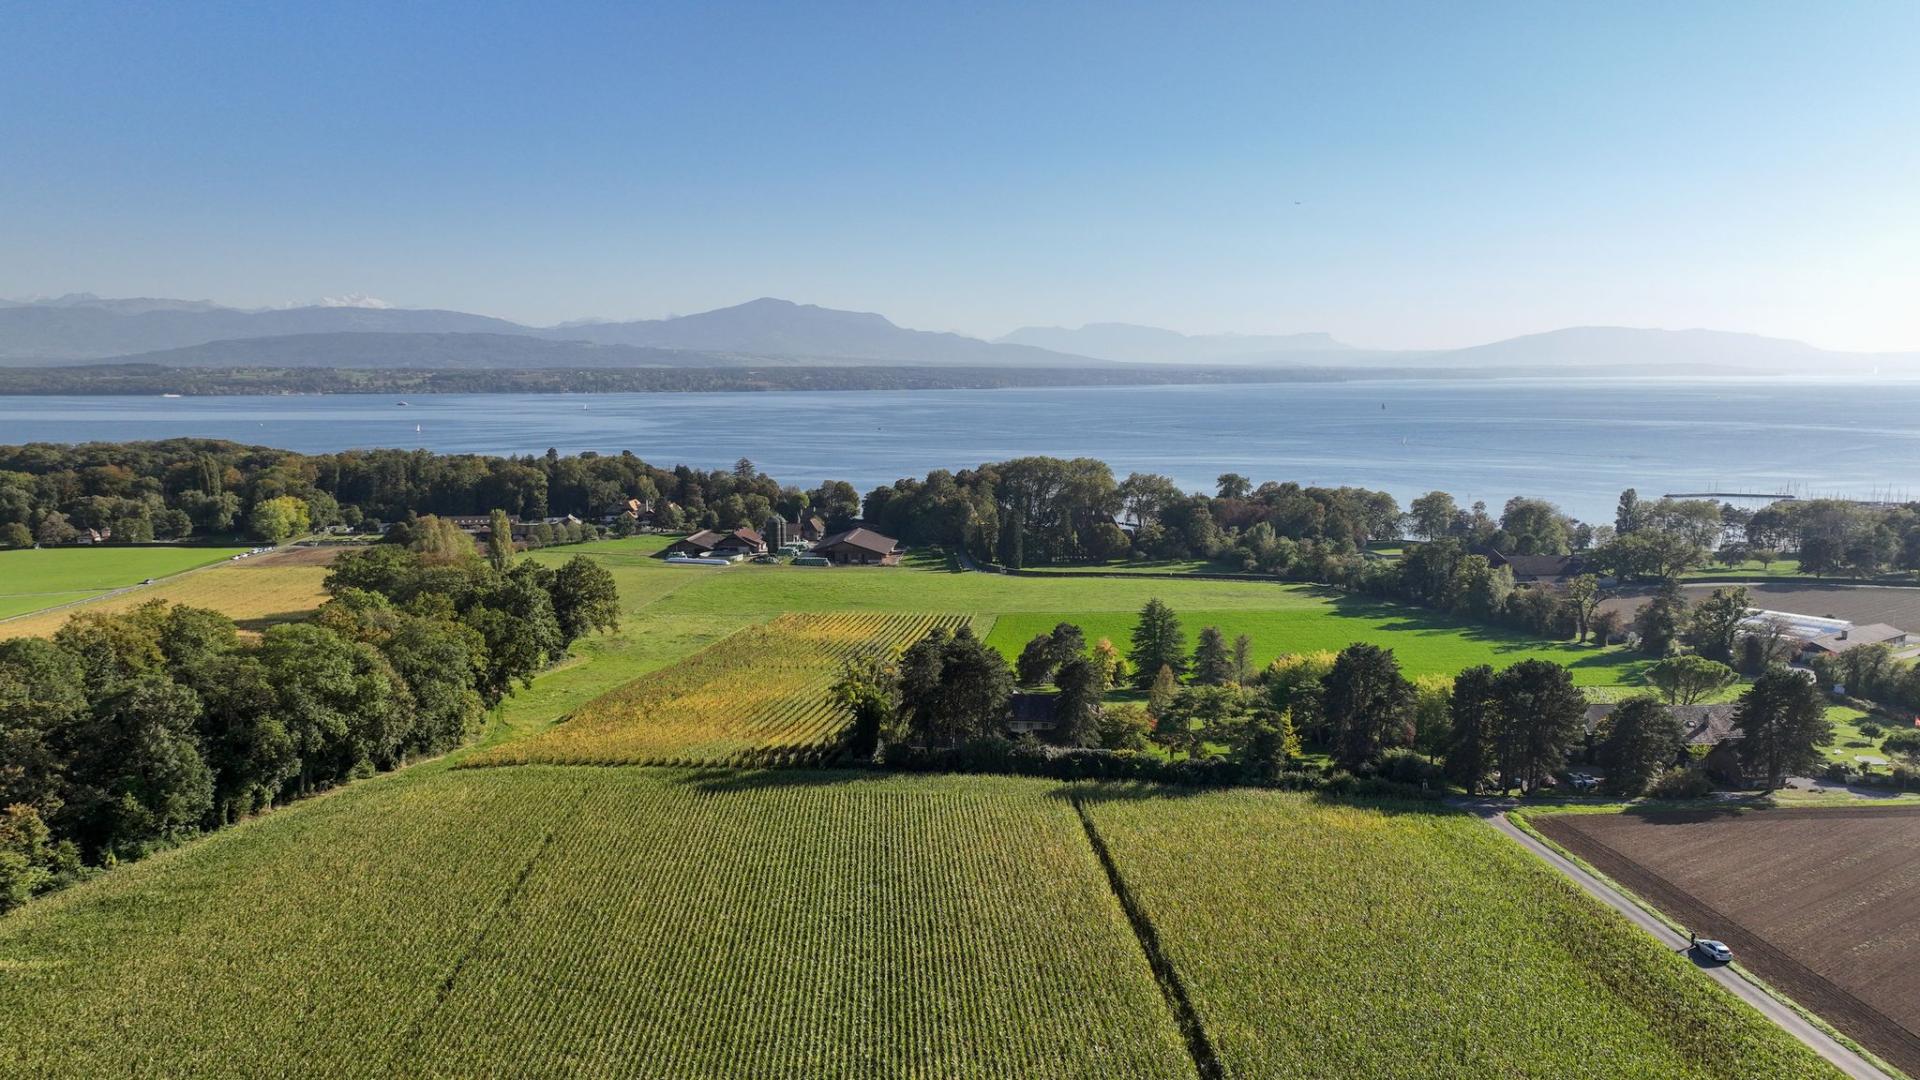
{"x":1822,"y":903}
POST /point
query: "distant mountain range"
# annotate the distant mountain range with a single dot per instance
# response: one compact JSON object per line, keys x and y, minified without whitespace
{"x":1152,"y":345}
{"x":361,"y":333}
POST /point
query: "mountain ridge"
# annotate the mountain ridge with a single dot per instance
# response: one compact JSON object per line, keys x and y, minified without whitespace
{"x":82,"y":328}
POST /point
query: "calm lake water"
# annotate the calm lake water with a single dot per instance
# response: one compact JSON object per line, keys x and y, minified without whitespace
{"x":1577,"y":442}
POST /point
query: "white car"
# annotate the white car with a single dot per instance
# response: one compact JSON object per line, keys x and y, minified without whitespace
{"x":1713,"y":951}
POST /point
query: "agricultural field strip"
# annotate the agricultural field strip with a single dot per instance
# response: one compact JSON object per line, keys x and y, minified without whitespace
{"x":1318,"y":940}
{"x":1833,"y":943}
{"x":762,"y":689}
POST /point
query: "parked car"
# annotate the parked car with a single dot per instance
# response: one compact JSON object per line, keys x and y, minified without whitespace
{"x":1712,"y":951}
{"x":1582,"y":781}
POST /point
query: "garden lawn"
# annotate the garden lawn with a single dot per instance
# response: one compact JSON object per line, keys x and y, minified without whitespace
{"x":38,"y":578}
{"x":1316,"y":939}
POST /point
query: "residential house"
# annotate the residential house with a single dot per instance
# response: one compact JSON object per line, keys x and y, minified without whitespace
{"x":1031,"y":713}
{"x":1552,"y":571}
{"x":859,"y":547}
{"x":810,"y":527}
{"x":1710,"y":726}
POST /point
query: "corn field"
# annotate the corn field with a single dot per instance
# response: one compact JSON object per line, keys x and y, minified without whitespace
{"x":757,"y":697}
{"x":546,"y":921}
{"x":1333,"y":941}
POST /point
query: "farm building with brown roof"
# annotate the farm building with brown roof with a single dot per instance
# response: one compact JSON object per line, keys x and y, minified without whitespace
{"x":712,"y":542}
{"x":859,"y":547}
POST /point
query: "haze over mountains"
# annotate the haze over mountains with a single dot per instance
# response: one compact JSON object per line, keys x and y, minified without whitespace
{"x":362,"y":333}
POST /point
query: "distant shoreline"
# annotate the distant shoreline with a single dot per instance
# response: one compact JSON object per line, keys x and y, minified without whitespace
{"x":148,"y":380}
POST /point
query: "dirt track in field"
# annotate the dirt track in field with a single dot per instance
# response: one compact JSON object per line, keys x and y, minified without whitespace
{"x":1823,"y":904}
{"x":293,"y":556}
{"x":1854,"y":603}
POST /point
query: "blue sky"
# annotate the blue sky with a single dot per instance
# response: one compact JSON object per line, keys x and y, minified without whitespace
{"x":1397,"y":174}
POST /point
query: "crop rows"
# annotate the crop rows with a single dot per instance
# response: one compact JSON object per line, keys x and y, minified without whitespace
{"x":1321,"y":940}
{"x":758,"y":697}
{"x":603,"y":923}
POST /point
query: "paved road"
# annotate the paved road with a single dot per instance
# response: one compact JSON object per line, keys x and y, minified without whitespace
{"x":1792,"y":1022}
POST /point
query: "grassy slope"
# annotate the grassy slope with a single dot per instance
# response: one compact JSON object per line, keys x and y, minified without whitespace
{"x":761,"y":924}
{"x":42,"y":577}
{"x":1339,"y":941}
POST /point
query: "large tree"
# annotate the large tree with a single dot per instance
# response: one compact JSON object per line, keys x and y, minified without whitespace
{"x":1076,"y":709}
{"x":1158,"y":642}
{"x":499,"y":539}
{"x":1782,"y":724}
{"x":1661,"y":620}
{"x":1716,"y":622}
{"x":1542,"y":714}
{"x":1684,"y":680}
{"x":953,"y":688}
{"x":1431,"y":515}
{"x":585,"y":598}
{"x":1638,"y":740}
{"x":1474,"y":713}
{"x":1583,"y":599}
{"x":1212,"y":664}
{"x":1369,"y":705}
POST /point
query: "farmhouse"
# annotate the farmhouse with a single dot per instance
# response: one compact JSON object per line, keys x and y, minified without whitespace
{"x":1553,"y":571}
{"x":711,"y":542}
{"x":859,"y":547}
{"x":1700,"y":725}
{"x":809,"y":528}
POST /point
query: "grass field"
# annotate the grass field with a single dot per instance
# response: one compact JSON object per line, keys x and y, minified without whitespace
{"x":1280,"y":618}
{"x":758,"y":696}
{"x":603,"y":922}
{"x":1334,"y":941}
{"x":1423,"y":642}
{"x":255,"y":596}
{"x":1818,"y":902}
{"x":38,"y":578}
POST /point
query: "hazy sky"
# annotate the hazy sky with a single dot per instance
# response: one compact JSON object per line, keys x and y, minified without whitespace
{"x":1405,"y":174}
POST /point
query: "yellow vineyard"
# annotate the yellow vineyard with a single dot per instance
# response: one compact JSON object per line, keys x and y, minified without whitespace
{"x":759,"y":696}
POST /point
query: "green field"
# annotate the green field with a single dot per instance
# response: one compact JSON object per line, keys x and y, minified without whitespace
{"x":37,"y":578}
{"x":1422,"y":641}
{"x":1320,"y":940}
{"x":1280,"y":618}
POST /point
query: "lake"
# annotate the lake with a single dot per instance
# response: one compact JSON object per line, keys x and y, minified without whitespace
{"x":1577,"y":442}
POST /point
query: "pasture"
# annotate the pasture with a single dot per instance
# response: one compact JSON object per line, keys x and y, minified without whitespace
{"x":1280,"y":618}
{"x":1325,"y":940}
{"x":1818,"y":902}
{"x":36,"y":578}
{"x":1423,"y":642}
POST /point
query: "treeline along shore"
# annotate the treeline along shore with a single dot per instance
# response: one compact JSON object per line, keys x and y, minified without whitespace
{"x":153,"y":379}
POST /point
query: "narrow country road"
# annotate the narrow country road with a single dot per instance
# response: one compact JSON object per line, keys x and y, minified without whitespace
{"x":1790,"y":1021}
